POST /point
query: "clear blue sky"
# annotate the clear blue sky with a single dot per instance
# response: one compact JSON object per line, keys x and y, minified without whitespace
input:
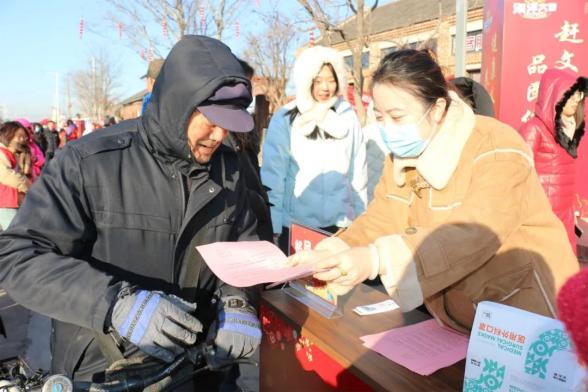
{"x":41,"y":37}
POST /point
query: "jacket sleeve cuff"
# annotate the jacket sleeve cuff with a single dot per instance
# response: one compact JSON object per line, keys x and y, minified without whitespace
{"x":103,"y":307}
{"x":398,"y":272}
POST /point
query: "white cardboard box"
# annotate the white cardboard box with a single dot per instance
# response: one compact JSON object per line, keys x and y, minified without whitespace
{"x":518,"y":351}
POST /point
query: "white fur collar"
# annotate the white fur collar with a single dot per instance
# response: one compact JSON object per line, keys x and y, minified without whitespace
{"x":439,"y":160}
{"x":322,"y":116}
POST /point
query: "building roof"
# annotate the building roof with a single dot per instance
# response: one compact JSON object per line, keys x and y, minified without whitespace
{"x":402,"y":13}
{"x":134,"y":98}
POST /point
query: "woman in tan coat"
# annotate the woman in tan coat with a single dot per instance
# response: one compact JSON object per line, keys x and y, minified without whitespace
{"x":13,"y":181}
{"x":459,"y":215}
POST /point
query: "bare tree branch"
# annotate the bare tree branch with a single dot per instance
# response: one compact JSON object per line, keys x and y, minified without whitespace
{"x":327,"y":26}
{"x":181,"y":17}
{"x":270,"y":52}
{"x":95,"y":85}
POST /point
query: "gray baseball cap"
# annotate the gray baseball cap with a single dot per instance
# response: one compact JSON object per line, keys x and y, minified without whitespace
{"x":227,"y":108}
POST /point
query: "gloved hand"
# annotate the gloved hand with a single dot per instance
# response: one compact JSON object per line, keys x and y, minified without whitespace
{"x":237,"y":331}
{"x":159,"y":324}
{"x":346,"y":269}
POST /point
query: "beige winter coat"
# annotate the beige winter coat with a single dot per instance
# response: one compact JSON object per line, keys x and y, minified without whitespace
{"x":467,"y":221}
{"x":9,"y":176}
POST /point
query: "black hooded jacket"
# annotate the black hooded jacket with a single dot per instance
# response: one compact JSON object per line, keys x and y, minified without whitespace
{"x":129,"y":203}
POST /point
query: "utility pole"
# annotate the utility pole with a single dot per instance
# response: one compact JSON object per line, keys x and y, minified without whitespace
{"x":56,"y":114}
{"x":94,"y":92}
{"x":460,"y":36}
{"x":68,"y":84}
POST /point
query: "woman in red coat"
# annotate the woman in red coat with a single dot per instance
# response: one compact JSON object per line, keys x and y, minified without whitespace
{"x":554,"y":134}
{"x":13,"y":183}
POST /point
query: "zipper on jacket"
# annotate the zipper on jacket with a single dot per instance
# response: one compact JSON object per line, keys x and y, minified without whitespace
{"x":177,"y":175}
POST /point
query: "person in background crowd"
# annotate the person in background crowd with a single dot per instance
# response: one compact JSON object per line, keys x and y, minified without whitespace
{"x":88,"y":127}
{"x":459,"y":215}
{"x":247,"y":144}
{"x":554,"y":134}
{"x":152,"y":72}
{"x":39,"y":137}
{"x":32,"y":153}
{"x":71,"y":131}
{"x":80,"y":125}
{"x":110,"y":121}
{"x":314,"y":159}
{"x":52,"y":137}
{"x":13,"y":183}
{"x":475,"y":95}
{"x":376,"y":151}
{"x":112,"y":225}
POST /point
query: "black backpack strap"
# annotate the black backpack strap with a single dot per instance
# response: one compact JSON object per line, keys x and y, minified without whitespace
{"x":109,"y":347}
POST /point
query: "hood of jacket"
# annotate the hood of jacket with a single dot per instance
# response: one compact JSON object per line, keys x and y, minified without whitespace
{"x":194,"y":69}
{"x":307,"y":67}
{"x":555,"y":89}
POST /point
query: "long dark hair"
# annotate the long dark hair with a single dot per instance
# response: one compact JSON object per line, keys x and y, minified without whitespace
{"x":294,"y":112}
{"x":8,"y":130}
{"x":415,"y":71}
{"x":579,"y":116}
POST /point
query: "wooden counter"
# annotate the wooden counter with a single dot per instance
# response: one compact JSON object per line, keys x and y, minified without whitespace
{"x":339,"y":340}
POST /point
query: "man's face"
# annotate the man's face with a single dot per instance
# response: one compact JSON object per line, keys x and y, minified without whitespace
{"x":51,"y":126}
{"x":204,"y":137}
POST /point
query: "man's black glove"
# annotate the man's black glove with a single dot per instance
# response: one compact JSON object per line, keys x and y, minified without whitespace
{"x":237,"y":331}
{"x":159,"y":324}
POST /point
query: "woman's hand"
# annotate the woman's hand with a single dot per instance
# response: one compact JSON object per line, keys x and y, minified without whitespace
{"x":327,"y":247}
{"x":346,"y":269}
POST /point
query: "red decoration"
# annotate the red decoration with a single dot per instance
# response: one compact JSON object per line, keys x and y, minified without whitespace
{"x":202,"y":19}
{"x":142,"y":54}
{"x":164,"y":27}
{"x":310,"y":358}
{"x":149,"y":55}
{"x":81,"y":28}
{"x":258,"y":2}
{"x":237,"y":29}
{"x":311,"y":37}
{"x":119,"y":27}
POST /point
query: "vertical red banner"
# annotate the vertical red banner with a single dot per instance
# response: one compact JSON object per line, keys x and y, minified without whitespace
{"x":524,"y":38}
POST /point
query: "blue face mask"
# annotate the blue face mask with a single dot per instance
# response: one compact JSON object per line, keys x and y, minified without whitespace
{"x":404,"y":141}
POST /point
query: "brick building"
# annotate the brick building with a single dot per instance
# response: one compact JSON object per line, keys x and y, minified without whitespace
{"x":416,"y":24}
{"x":131,"y":107}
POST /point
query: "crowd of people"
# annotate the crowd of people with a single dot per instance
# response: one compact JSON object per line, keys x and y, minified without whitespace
{"x":435,"y":197}
{"x":26,"y":148}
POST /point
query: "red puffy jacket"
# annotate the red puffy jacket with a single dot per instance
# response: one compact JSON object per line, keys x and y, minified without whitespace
{"x":8,"y":195}
{"x":554,"y":152}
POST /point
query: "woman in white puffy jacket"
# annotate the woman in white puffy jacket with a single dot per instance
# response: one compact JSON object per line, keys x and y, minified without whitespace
{"x":314,"y":158}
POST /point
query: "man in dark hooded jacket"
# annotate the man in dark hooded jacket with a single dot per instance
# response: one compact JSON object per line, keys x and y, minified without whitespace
{"x":105,"y":241}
